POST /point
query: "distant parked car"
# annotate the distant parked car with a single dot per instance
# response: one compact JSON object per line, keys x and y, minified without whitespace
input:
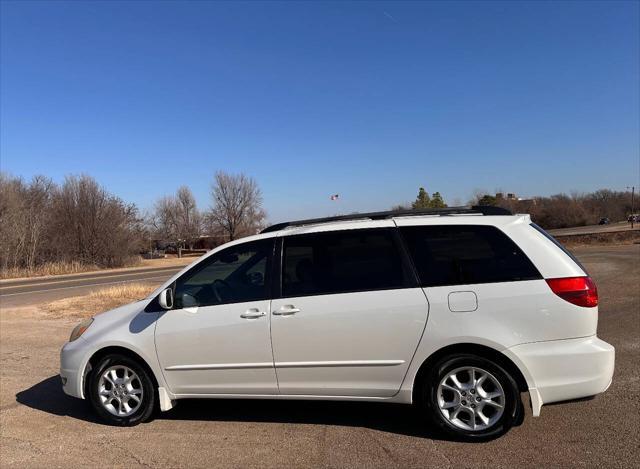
{"x":603,"y":221}
{"x":633,"y":219}
{"x":155,"y":254}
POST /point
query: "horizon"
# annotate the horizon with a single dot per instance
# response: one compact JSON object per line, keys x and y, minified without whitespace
{"x":366,"y":100}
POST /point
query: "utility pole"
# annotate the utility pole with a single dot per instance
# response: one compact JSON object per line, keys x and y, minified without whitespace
{"x":633,"y":213}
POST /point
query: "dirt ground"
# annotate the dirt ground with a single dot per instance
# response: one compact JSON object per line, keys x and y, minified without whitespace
{"x":42,"y":427}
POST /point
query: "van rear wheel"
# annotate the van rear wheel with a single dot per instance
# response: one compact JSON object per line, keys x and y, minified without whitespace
{"x":471,"y":398}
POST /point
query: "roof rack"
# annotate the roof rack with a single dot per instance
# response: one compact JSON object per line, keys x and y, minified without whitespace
{"x":474,"y":210}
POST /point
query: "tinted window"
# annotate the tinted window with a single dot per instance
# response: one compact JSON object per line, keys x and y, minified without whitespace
{"x":459,"y":254}
{"x":557,"y":243}
{"x":234,"y":275}
{"x":342,"y":261}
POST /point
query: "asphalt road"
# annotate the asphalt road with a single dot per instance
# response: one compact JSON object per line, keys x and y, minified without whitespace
{"x":594,"y":229}
{"x":37,"y":290}
{"x":42,"y":427}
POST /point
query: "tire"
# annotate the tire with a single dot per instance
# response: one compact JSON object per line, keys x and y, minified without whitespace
{"x":121,"y":391}
{"x":485,"y":410}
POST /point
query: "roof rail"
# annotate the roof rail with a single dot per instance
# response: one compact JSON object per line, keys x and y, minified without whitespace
{"x":474,"y":210}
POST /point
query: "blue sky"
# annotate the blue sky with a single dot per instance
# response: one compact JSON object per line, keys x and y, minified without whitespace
{"x":368,"y":100}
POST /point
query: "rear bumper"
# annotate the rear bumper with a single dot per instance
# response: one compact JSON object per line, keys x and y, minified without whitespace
{"x":561,"y":370}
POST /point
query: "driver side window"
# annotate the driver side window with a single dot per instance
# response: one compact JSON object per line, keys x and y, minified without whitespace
{"x":234,"y":275}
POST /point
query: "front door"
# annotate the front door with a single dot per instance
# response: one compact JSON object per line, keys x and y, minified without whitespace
{"x":350,"y":315}
{"x":216,"y":340}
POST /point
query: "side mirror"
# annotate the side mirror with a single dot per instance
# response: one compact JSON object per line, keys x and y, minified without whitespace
{"x":166,"y":298}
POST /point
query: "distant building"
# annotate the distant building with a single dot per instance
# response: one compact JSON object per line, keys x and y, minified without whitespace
{"x":209,"y":241}
{"x":513,"y":197}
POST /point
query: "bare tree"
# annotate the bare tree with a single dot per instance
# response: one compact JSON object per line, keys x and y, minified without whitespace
{"x":79,"y":221}
{"x":93,"y":226}
{"x":24,"y":215}
{"x":162,"y":219}
{"x":11,"y":221}
{"x":176,"y":218}
{"x":237,"y":205}
{"x":37,"y":214}
{"x":189,"y":219}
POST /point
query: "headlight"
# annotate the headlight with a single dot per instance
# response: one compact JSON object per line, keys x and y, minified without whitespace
{"x":80,"y":328}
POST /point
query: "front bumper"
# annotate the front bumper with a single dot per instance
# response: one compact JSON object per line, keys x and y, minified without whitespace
{"x":72,"y":367}
{"x":561,"y":370}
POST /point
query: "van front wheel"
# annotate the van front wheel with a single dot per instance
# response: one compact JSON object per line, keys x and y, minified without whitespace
{"x":121,"y":391}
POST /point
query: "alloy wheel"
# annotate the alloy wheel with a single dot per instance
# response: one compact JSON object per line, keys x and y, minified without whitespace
{"x":120,"y":391}
{"x":471,"y":398}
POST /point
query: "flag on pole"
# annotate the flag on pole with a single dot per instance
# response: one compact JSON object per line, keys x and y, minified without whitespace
{"x":335,"y":197}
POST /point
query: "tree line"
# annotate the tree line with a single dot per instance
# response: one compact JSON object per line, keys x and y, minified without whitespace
{"x":568,"y":210}
{"x":423,"y":201}
{"x":79,"y":222}
{"x":555,"y":211}
{"x":76,"y":221}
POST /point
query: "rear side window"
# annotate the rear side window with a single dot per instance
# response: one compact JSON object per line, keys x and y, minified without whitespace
{"x":558,"y":244}
{"x":466,"y":254}
{"x":342,"y":261}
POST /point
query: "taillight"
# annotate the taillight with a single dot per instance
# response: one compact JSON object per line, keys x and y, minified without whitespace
{"x":580,"y":291}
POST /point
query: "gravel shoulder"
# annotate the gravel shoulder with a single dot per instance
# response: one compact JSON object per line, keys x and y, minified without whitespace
{"x":42,"y":427}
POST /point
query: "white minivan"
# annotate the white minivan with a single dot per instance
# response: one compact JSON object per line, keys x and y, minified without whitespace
{"x":457,"y":311}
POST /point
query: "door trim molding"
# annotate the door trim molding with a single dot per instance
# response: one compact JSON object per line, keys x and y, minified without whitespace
{"x":314,"y":364}
{"x":341,"y":363}
{"x":219,"y":366}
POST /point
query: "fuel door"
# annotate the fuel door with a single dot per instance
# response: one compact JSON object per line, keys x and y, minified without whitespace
{"x":462,"y":301}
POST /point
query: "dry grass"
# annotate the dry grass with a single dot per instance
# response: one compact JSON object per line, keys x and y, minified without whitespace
{"x":601,"y":239}
{"x":97,"y":301}
{"x":50,"y":268}
{"x":167,"y":261}
{"x":60,"y":268}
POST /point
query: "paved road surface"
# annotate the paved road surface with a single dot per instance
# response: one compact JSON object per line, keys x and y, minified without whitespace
{"x":38,"y":290}
{"x":42,"y":427}
{"x":593,"y":229}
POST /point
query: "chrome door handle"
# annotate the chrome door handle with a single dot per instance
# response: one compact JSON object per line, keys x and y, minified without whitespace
{"x":286,"y":311}
{"x":252,"y":314}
